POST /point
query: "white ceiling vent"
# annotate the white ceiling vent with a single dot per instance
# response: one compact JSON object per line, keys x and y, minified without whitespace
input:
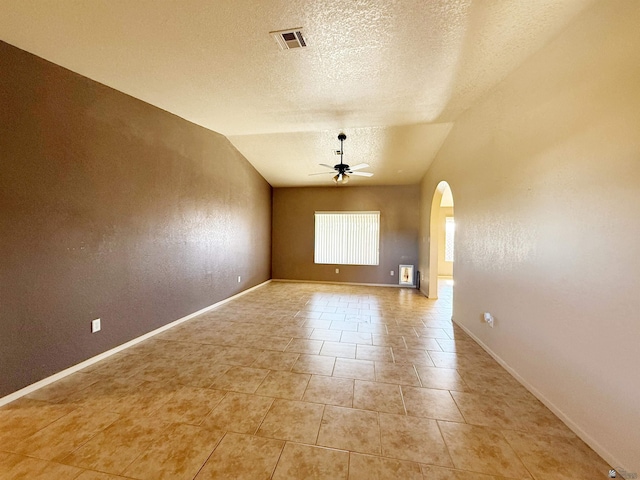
{"x":288,"y":39}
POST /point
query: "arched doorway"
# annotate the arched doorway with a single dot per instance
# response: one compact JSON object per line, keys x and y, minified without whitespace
{"x":442,"y":227}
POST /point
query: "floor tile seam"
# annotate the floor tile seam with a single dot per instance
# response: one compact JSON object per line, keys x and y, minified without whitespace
{"x":210,"y":454}
{"x":255,"y":432}
{"x":306,"y":385}
{"x":458,"y":408}
{"x":253,"y":365}
{"x":433,"y":364}
{"x":162,"y":403}
{"x":152,"y":443}
{"x":357,"y":452}
{"x":307,"y":388}
{"x":404,"y":404}
{"x":52,"y":421}
{"x":121,"y":472}
{"x":93,"y":470}
{"x":275,"y":466}
{"x":409,"y":415}
{"x":56,"y":462}
{"x":444,"y":442}
{"x":418,"y":464}
{"x":500,"y":432}
{"x":91,"y":437}
{"x":357,"y":343}
{"x":324,"y":408}
{"x":404,"y":459}
{"x":526,"y":467}
{"x":62,"y":401}
{"x":379,"y":432}
{"x":322,"y":447}
{"x":294,"y":362}
{"x":398,"y":382}
{"x":226,"y":394}
{"x":385,"y":382}
{"x":53,"y":460}
{"x":530,"y":432}
{"x":289,"y":399}
{"x":325,"y":404}
{"x":491,"y":475}
{"x":353,"y":393}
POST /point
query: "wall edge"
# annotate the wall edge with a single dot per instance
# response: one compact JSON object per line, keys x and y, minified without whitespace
{"x":101,"y":356}
{"x":573,"y":426}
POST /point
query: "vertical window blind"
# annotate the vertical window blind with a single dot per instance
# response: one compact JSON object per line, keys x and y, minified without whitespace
{"x":347,"y":238}
{"x":449,"y":234}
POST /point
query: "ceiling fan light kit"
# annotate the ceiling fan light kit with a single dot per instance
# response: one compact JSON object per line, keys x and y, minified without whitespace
{"x":344,"y":170}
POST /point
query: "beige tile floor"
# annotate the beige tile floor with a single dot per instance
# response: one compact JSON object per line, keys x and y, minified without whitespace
{"x":306,"y":381}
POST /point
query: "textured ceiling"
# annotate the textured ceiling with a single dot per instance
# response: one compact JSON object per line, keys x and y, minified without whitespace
{"x":392,"y":74}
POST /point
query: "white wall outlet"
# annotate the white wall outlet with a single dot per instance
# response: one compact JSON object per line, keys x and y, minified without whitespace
{"x":337,"y":270}
{"x":239,"y":278}
{"x":392,"y":273}
{"x":488,"y":318}
{"x":95,"y":325}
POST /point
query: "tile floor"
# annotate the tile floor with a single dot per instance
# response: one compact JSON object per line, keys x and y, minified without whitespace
{"x":290,"y":381}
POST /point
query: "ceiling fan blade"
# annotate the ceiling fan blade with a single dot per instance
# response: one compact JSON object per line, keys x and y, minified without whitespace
{"x":321,"y":173}
{"x":359,"y":166}
{"x":325,"y":165}
{"x":362,"y":174}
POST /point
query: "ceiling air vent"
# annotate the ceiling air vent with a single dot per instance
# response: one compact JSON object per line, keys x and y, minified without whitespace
{"x":288,"y":39}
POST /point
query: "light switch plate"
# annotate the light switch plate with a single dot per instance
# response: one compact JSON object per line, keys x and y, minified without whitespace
{"x":95,"y":325}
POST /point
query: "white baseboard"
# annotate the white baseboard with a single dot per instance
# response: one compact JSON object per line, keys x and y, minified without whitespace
{"x":413,"y":287}
{"x":593,"y":443}
{"x":68,"y":371}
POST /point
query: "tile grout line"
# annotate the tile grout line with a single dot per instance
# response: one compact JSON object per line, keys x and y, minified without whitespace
{"x":446,"y":446}
{"x":210,"y":454}
{"x":404,"y":404}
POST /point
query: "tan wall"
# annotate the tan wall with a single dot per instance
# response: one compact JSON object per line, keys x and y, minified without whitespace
{"x":111,"y":208}
{"x":293,"y":231}
{"x":445,"y":268}
{"x":545,"y":174}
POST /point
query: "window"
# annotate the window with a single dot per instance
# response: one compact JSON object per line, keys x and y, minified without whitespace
{"x":347,"y":238}
{"x":449,"y":233}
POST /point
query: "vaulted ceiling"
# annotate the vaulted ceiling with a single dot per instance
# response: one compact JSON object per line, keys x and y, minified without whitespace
{"x":392,"y":74}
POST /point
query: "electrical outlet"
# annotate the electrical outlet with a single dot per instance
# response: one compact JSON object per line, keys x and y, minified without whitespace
{"x":239,"y":278}
{"x":95,"y":325}
{"x":337,"y":270}
{"x":392,"y":273}
{"x":488,"y":318}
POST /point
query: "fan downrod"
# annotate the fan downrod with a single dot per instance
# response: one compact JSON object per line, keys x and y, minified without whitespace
{"x":342,"y":167}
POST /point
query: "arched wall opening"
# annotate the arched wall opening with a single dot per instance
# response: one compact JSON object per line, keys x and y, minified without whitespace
{"x":441,"y":232}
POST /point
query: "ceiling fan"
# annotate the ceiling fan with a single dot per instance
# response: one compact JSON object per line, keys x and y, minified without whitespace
{"x":344,"y":170}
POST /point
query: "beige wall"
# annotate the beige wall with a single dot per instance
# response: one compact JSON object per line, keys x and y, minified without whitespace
{"x":115,"y":209}
{"x":545,"y":174}
{"x":445,"y":268}
{"x":293,"y":231}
